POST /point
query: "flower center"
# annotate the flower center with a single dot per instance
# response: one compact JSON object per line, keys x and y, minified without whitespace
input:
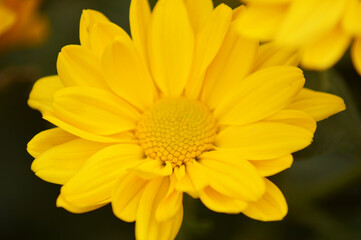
{"x":176,"y":130}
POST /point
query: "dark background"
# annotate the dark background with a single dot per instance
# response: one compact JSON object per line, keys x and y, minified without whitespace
{"x":322,"y":187}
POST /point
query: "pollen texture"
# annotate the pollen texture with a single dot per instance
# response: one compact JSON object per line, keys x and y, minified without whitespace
{"x":176,"y":130}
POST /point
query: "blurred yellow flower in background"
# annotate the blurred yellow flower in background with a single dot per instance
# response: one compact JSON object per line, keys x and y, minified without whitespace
{"x":187,"y":105}
{"x":321,"y":30}
{"x":21,"y":24}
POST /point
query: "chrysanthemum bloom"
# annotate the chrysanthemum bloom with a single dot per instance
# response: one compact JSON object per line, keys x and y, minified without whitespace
{"x":21,"y":23}
{"x":186,"y":105}
{"x":321,"y":30}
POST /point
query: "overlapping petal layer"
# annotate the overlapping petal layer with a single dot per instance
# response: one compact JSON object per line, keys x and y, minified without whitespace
{"x":321,"y":31}
{"x":250,"y":100}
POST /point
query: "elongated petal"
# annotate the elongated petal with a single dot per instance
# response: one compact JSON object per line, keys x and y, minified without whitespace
{"x":170,"y":204}
{"x":151,"y":168}
{"x":171,"y":46}
{"x":170,"y":228}
{"x":103,"y":34}
{"x":271,"y":207}
{"x":261,"y":21}
{"x":198,"y":12}
{"x":123,"y":137}
{"x":261,"y":94}
{"x":304,"y":24}
{"x":94,"y":110}
{"x":326,"y":51}
{"x":356,"y":54}
{"x":270,"y":167}
{"x":232,"y":63}
{"x":194,"y":179}
{"x":126,"y":196}
{"x":196,"y":174}
{"x":294,"y":117}
{"x":233,"y":176}
{"x":78,"y":66}
{"x":318,"y":105}
{"x":94,"y":183}
{"x":139,"y":17}
{"x":42,"y":95}
{"x":127,"y":74}
{"x":352,"y":17}
{"x":146,"y":225}
{"x":60,"y":163}
{"x":207,"y":43}
{"x":87,"y":21}
{"x":47,"y":139}
{"x":273,"y":54}
{"x":264,"y":140}
{"x":61,"y":202}
{"x":218,"y":202}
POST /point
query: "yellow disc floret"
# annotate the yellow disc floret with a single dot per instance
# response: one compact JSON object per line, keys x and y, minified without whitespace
{"x":176,"y":130}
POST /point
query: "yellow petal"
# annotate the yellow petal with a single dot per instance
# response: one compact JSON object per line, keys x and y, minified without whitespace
{"x":87,"y":21}
{"x":7,"y":18}
{"x":231,"y":175}
{"x":146,"y":227}
{"x":185,"y":185}
{"x":47,"y":139}
{"x":42,"y":95}
{"x":94,"y":110}
{"x":61,"y":202}
{"x":123,"y":137}
{"x":103,"y":34}
{"x":126,"y":196}
{"x":179,"y":172}
{"x":170,"y":228}
{"x":218,"y":202}
{"x":272,"y":206}
{"x":170,"y":205}
{"x":171,"y":46}
{"x":78,"y":66}
{"x":261,"y":21}
{"x":264,"y":140}
{"x":194,"y":180}
{"x":207,"y":43}
{"x":260,"y":95}
{"x":293,"y":117}
{"x":151,"y":168}
{"x":318,"y":105}
{"x":139,"y":17}
{"x":60,"y":163}
{"x":94,"y":183}
{"x":232,"y":63}
{"x":196,"y":175}
{"x":356,"y":54}
{"x":270,"y":167}
{"x":352,"y":18}
{"x":324,"y":52}
{"x":198,"y":12}
{"x":127,"y":74}
{"x":304,"y":24}
{"x":273,"y":54}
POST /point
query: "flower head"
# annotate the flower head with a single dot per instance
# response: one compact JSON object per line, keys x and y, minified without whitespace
{"x":21,"y":24}
{"x":187,"y":105}
{"x":321,"y":30}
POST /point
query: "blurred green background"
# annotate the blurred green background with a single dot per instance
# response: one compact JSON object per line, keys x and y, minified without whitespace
{"x":322,"y":187}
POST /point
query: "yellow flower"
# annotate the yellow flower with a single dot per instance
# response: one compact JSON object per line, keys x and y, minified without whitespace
{"x":321,"y":30}
{"x":186,"y":106}
{"x":21,"y":24}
